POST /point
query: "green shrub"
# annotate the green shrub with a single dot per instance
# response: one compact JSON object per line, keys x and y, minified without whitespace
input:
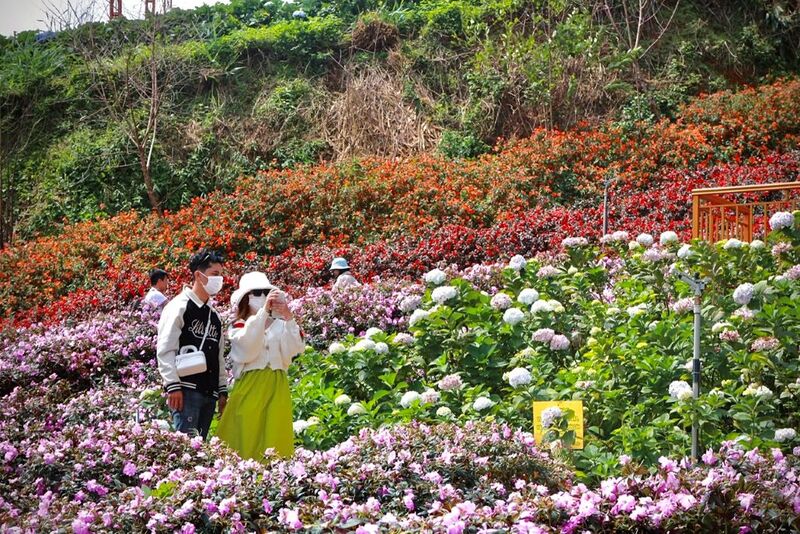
{"x":460,"y":145}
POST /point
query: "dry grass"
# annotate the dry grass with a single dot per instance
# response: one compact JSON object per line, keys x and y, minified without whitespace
{"x":370,"y":117}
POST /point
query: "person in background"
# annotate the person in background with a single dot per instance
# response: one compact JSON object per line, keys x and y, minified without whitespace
{"x":341,"y":270}
{"x":189,"y":320}
{"x":158,"y":286}
{"x":264,"y":339}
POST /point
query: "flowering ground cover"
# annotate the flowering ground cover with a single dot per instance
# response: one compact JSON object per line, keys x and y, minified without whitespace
{"x":69,"y":470}
{"x":553,"y":179}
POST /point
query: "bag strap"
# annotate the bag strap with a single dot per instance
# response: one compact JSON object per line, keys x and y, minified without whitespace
{"x":208,"y":327}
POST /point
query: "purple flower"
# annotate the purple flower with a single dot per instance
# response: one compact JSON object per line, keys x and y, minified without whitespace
{"x":543,"y":335}
{"x":559,"y":342}
{"x":781,"y":220}
{"x":682,"y":306}
{"x":129,"y":469}
{"x":450,"y":383}
{"x":764,"y":344}
{"x":709,"y":458}
{"x":501,"y":301}
{"x":746,"y":500}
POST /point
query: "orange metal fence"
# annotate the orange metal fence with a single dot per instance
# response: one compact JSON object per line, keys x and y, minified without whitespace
{"x":742,"y":212}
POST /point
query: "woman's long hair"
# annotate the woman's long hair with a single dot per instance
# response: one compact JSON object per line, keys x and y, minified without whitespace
{"x":243,"y":309}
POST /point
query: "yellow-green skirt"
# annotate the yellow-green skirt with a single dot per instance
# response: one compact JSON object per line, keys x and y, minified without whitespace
{"x":258,"y":415}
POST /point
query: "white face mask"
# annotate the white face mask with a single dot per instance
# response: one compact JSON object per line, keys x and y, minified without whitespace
{"x":213,"y":285}
{"x":256,"y":303}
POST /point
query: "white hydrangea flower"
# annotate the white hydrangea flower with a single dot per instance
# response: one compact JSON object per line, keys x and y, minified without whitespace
{"x":634,"y":246}
{"x":757,"y":244}
{"x":718,"y":327}
{"x":743,"y":294}
{"x":551,"y":415}
{"x":668,"y":237}
{"x":436,"y":277}
{"x":548,"y":271}
{"x":685,"y":252}
{"x":429,"y":396}
{"x":381,"y":348}
{"x":501,"y":301}
{"x":572,"y":242}
{"x":645,"y":240}
{"x":781,"y":220}
{"x":654,"y":255}
{"x":356,"y":409}
{"x":519,"y":377}
{"x":444,"y":411}
{"x":403,"y":338}
{"x":733,"y":243}
{"x":541,"y":306}
{"x":336,"y":348}
{"x":762,"y":392}
{"x":342,"y":399}
{"x":528,"y":296}
{"x":613,"y":310}
{"x":785,"y":434}
{"x":301,"y":426}
{"x":639,"y":309}
{"x":556,"y":306}
{"x":517,"y":263}
{"x":620,"y":235}
{"x":680,"y":389}
{"x":513,"y":316}
{"x":482,"y":403}
{"x":417,"y":316}
{"x":616,"y":237}
{"x":371,"y":331}
{"x":364,"y":344}
{"x":409,"y":397}
{"x":410,"y":303}
{"x":444,"y":293}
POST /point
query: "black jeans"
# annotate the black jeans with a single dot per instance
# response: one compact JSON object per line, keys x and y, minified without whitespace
{"x":198,"y":411}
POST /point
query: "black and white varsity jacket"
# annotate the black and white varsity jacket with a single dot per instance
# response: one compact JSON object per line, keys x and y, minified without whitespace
{"x":183,"y":323}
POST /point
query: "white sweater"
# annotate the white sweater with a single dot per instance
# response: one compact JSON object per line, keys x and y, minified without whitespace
{"x":253,"y":347}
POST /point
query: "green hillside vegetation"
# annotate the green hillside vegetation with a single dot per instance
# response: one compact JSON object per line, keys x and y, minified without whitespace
{"x":254,"y":85}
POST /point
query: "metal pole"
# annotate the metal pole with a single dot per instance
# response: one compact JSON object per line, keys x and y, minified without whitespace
{"x":698,"y":285}
{"x":698,"y":321}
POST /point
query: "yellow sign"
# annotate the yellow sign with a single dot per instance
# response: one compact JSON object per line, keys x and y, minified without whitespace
{"x":574,"y":421}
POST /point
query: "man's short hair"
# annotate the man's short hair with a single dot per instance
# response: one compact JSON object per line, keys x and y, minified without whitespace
{"x":203,"y":260}
{"x":156,"y":275}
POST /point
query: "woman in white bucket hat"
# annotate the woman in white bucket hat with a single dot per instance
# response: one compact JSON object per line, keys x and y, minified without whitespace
{"x":264,"y":338}
{"x":341,"y":270}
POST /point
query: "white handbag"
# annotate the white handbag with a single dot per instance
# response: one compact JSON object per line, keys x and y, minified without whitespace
{"x":190,"y":360}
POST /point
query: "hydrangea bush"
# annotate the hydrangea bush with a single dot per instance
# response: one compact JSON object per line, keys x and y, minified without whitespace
{"x":612,"y":328}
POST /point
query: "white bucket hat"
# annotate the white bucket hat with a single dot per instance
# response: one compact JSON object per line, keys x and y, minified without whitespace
{"x":339,"y":263}
{"x":250,"y":282}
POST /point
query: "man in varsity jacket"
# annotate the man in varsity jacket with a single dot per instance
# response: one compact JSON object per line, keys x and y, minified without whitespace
{"x":184,"y":320}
